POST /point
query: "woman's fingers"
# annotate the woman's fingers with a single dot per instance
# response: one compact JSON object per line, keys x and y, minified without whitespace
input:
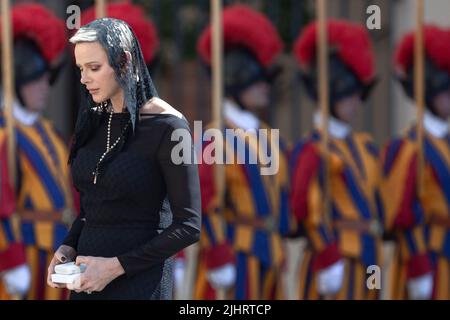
{"x":61,"y":257}
{"x":82,"y":259}
{"x":79,"y":285}
{"x":65,"y":254}
{"x":50,"y":271}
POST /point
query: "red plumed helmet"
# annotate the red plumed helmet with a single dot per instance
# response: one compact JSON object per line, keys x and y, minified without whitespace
{"x":437,"y":63}
{"x":34,"y":22}
{"x":133,"y":15}
{"x":351,"y":42}
{"x":244,"y":27}
{"x":437,"y":48}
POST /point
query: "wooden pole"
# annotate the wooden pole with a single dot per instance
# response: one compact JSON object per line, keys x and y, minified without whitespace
{"x":217,"y":62}
{"x":191,"y":253}
{"x":419,"y":90}
{"x":324,"y":101}
{"x":8,"y":99}
{"x":100,"y":8}
{"x":8,"y":88}
{"x":217,"y":101}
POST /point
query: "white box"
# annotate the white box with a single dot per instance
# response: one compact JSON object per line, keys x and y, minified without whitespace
{"x":65,"y":278}
{"x":69,"y":268}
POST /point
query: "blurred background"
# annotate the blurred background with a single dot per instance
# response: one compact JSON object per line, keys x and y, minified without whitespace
{"x":182,"y":80}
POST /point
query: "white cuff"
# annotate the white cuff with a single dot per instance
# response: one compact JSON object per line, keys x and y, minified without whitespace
{"x":222,"y":277}
{"x":17,"y":280}
{"x":421,"y":288}
{"x":330,"y":279}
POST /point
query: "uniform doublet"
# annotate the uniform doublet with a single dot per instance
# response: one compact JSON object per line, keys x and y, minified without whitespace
{"x":42,"y":198}
{"x":421,"y":222}
{"x":256,"y":215}
{"x":355,"y":210}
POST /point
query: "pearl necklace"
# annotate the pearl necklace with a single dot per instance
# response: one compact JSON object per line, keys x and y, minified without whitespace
{"x":108,"y":148}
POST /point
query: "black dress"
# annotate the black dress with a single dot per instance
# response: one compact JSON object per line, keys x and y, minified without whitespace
{"x":126,"y":214}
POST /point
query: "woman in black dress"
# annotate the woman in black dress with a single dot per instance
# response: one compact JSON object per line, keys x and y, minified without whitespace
{"x":138,"y":206}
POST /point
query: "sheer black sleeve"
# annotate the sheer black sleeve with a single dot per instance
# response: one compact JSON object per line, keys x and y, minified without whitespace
{"x":183,"y":192}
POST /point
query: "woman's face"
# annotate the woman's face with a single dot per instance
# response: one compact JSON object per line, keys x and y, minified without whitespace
{"x":441,"y":104}
{"x":347,"y":108}
{"x":96,"y":73}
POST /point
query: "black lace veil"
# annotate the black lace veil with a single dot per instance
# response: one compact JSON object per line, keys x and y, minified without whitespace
{"x":125,"y":57}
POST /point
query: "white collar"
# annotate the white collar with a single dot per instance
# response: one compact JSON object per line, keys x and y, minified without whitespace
{"x":337,"y":128}
{"x":434,"y":125}
{"x":27,"y":118}
{"x":22,"y":115}
{"x":241,"y":118}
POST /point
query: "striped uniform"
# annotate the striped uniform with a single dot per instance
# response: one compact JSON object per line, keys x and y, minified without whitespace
{"x":353,"y":232}
{"x":11,"y":249}
{"x":254,"y":218}
{"x":42,"y":197}
{"x":421,"y":223}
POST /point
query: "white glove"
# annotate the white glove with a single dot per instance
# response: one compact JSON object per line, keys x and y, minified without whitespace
{"x":223,"y":277}
{"x":421,"y":288}
{"x":178,"y":272}
{"x":331,"y":278}
{"x":17,"y":280}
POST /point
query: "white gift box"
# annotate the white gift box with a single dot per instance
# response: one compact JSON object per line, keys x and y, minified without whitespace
{"x":66,"y":278}
{"x":68,"y":273}
{"x":69,"y":268}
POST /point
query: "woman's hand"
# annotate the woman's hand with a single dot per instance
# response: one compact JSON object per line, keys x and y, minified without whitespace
{"x":62,"y":255}
{"x":98,"y":274}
